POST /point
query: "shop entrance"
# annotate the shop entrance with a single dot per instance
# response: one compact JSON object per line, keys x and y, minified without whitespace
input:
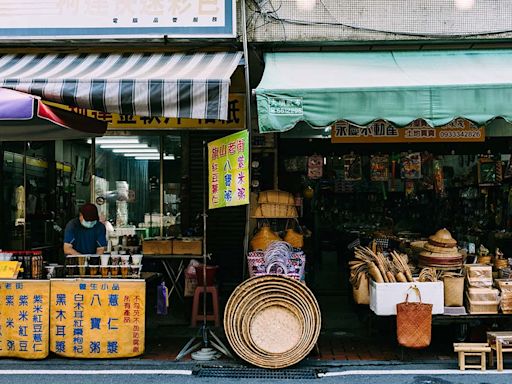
{"x":462,"y":187}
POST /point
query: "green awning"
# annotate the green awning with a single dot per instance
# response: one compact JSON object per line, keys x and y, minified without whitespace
{"x":400,"y":87}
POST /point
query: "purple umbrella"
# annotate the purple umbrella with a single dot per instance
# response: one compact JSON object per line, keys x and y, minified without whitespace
{"x":25,"y":117}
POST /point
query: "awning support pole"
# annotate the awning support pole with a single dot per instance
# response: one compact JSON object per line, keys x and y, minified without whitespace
{"x":248,"y":121}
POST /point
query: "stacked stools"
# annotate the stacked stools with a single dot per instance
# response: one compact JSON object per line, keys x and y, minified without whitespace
{"x":272,"y":321}
{"x":212,"y":290}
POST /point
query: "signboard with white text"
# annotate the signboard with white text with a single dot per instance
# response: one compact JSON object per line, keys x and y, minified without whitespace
{"x":57,"y":19}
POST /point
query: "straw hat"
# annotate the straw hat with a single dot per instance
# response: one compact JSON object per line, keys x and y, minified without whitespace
{"x":442,"y":238}
{"x":445,"y":250}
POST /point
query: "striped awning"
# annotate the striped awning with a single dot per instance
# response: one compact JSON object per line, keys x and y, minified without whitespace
{"x":144,"y":84}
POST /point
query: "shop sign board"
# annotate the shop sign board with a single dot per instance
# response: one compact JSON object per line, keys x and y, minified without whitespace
{"x":97,"y":318}
{"x":24,"y":318}
{"x":57,"y":19}
{"x":228,"y":171}
{"x":236,"y":118}
{"x":459,"y":130}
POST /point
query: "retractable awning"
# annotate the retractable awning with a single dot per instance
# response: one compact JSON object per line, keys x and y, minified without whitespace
{"x":144,"y":84}
{"x":400,"y":87}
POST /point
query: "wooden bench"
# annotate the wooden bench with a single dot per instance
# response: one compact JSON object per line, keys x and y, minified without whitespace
{"x":472,"y":349}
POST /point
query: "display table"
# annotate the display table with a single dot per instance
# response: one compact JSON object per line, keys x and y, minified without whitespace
{"x":97,"y":318}
{"x":174,"y":266}
{"x":24,"y":318}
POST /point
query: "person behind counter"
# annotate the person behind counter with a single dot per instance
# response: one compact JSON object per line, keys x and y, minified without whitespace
{"x":85,"y":234}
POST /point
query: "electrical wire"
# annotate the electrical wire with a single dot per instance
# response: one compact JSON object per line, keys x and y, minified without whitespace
{"x":273,"y":15}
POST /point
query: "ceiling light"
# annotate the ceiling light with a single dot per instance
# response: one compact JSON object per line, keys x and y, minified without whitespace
{"x":120,"y":146}
{"x":168,"y":157}
{"x":464,"y":4}
{"x":115,"y":140}
{"x":306,"y":5}
{"x":135,"y":150}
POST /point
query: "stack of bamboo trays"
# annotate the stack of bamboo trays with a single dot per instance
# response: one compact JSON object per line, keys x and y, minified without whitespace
{"x":272,"y":321}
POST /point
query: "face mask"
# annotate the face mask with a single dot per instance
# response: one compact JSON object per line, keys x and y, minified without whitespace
{"x":89,"y":224}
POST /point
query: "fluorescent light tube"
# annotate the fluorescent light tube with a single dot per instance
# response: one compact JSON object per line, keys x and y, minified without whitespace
{"x":115,"y":140}
{"x":121,"y":146}
{"x":135,"y":150}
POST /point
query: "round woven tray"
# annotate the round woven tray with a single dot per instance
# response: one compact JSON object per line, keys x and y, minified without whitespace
{"x":272,"y":321}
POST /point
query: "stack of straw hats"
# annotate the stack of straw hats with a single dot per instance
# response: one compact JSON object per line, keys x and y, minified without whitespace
{"x":272,"y":321}
{"x":440,"y":251}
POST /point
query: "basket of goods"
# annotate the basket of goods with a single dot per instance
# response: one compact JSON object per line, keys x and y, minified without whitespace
{"x":272,"y":321}
{"x":441,"y":252}
{"x":275,"y":204}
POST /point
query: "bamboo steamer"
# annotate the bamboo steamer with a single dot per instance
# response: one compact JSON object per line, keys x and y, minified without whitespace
{"x":272,"y":321}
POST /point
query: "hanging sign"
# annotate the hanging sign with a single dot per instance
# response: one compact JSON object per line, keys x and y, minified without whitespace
{"x":459,"y":130}
{"x":228,"y":171}
{"x":24,"y":318}
{"x":58,"y":19}
{"x":236,"y":118}
{"x":97,"y":318}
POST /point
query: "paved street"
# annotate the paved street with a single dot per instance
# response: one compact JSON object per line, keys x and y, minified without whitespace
{"x":140,"y":372}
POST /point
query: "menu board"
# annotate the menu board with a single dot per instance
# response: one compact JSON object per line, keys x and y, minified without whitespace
{"x":24,"y":318}
{"x":97,"y":318}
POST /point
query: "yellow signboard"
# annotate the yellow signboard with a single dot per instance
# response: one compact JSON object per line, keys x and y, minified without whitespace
{"x":24,"y":318}
{"x":228,"y":175}
{"x":236,"y":118}
{"x":459,"y":130}
{"x":97,"y":318}
{"x":9,"y":269}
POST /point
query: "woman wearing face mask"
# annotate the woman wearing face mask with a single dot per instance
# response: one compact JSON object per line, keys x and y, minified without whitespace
{"x":85,"y":234}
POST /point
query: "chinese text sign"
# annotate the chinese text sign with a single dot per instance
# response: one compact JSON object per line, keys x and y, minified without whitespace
{"x":460,"y":130}
{"x":24,"y":321}
{"x":117,"y":18}
{"x":228,"y":171}
{"x":97,"y":318}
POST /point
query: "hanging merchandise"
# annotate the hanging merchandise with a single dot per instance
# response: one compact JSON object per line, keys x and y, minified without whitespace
{"x":379,"y":168}
{"x":411,"y":166}
{"x":263,"y":238}
{"x":315,"y":166}
{"x":438,"y":178}
{"x":352,"y":167}
{"x":409,"y":188}
{"x":294,"y":237}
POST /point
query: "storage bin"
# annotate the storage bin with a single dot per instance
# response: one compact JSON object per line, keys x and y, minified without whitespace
{"x":385,"y":296}
{"x":483,"y":294}
{"x":481,"y":307}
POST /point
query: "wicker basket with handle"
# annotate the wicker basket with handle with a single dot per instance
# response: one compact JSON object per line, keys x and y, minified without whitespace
{"x":414,"y":322}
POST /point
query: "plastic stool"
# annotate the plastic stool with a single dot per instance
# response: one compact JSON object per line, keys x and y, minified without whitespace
{"x":196,"y":315}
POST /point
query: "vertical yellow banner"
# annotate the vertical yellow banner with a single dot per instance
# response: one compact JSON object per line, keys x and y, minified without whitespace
{"x":24,"y":318}
{"x":97,"y":318}
{"x":228,"y":171}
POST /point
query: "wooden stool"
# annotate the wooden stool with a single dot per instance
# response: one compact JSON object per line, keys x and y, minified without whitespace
{"x":501,"y":342}
{"x":196,"y":315}
{"x":472,"y":349}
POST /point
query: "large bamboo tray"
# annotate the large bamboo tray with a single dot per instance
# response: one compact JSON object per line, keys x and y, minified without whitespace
{"x":272,"y":321}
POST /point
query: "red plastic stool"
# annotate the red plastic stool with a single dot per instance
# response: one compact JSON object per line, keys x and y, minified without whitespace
{"x":196,"y":315}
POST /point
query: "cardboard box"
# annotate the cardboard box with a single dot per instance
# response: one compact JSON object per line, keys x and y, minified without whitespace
{"x":187,"y":246}
{"x":385,"y":296}
{"x":157,"y":247}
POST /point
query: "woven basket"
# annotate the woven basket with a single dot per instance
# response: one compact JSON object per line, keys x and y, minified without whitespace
{"x":275,"y":211}
{"x":276,"y":197}
{"x":263,"y":238}
{"x":272,"y":321}
{"x":453,"y":291}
